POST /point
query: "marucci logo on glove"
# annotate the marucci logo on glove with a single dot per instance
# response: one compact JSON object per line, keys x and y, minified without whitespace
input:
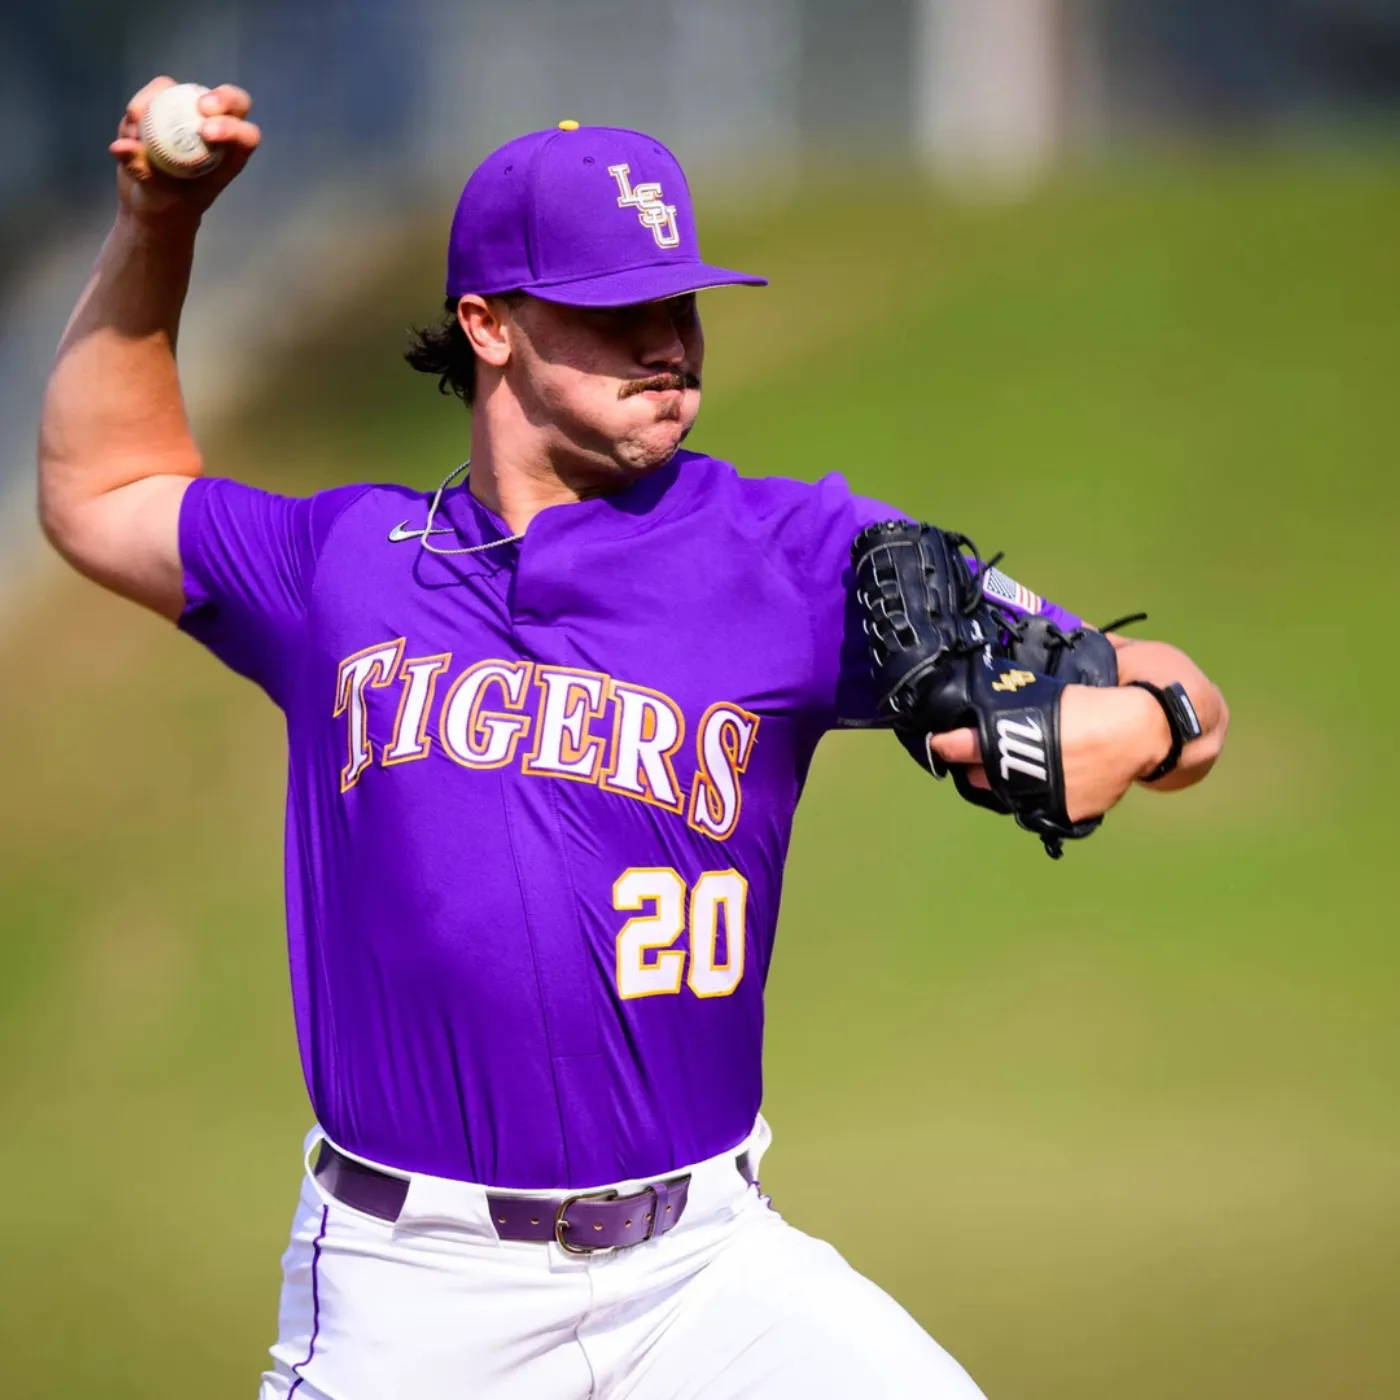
{"x":1022,"y":744}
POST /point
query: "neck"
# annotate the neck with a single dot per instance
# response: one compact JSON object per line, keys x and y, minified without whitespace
{"x":517,"y":471}
{"x":515,"y":487}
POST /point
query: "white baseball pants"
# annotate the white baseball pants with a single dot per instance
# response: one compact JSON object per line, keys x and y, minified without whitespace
{"x":732,"y":1303}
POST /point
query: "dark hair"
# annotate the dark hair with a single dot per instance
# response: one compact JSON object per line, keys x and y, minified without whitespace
{"x":445,"y":351}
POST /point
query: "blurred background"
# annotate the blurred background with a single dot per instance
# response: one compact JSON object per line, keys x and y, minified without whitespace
{"x":1114,"y":287}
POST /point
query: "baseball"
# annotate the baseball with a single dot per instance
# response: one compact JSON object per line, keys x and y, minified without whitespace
{"x":170,"y":131}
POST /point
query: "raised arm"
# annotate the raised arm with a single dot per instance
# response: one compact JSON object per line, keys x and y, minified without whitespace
{"x":115,"y":449}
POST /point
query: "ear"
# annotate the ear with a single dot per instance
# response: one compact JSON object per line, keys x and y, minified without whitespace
{"x":486,"y":322}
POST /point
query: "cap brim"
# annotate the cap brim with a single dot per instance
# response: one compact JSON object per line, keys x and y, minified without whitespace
{"x":634,"y":285}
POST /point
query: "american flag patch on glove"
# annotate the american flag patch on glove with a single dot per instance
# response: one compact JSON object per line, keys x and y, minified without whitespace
{"x":997,"y":585}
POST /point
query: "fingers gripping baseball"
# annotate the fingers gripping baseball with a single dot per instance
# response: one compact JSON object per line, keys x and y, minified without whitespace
{"x":151,"y":194}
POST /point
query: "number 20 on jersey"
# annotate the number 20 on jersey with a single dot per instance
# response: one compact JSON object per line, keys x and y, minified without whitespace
{"x":648,"y":965}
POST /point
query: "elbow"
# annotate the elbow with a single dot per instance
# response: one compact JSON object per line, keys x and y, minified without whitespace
{"x":57,"y":503}
{"x":61,"y":520}
{"x":71,"y":522}
{"x":55,"y":517}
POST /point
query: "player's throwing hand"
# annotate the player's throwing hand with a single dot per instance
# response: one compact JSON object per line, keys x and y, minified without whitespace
{"x":151,"y":196}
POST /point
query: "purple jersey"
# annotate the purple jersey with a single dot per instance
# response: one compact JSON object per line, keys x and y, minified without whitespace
{"x":539,"y":800}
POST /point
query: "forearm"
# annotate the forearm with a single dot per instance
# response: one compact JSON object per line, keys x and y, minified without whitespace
{"x":115,"y":450}
{"x":1162,"y":664}
{"x":113,"y":414}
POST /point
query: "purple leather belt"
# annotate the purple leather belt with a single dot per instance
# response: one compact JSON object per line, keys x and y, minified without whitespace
{"x":579,"y":1223}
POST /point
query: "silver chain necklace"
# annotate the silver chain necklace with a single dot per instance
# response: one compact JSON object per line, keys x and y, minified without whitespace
{"x":463,"y":471}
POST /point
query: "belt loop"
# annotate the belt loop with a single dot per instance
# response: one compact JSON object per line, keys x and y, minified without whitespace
{"x":662,"y":1204}
{"x":315,"y":1141}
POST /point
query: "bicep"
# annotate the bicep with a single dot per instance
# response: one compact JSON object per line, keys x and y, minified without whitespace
{"x":128,"y":540}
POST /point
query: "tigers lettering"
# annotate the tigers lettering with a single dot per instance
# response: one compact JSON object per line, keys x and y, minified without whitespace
{"x":492,"y":705}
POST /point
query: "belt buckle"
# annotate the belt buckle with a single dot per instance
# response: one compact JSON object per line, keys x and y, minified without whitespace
{"x":560,"y":1223}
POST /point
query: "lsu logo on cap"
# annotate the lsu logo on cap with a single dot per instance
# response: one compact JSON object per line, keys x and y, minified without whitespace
{"x":653,"y":212}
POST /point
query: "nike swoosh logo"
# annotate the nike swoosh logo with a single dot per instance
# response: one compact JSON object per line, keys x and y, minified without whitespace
{"x":401,"y":532}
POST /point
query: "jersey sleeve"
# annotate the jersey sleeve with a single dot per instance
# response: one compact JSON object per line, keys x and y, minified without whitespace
{"x":249,"y":562}
{"x":844,"y":688}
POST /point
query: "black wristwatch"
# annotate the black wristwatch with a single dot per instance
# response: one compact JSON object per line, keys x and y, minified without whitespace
{"x":1181,"y":719}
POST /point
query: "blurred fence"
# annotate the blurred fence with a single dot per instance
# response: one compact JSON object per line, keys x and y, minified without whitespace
{"x":374,"y":109}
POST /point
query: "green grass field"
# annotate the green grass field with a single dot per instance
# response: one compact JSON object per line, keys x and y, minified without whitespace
{"x":1147,"y":1100}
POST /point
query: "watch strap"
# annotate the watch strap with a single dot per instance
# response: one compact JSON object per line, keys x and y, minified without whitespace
{"x":1182,"y":720}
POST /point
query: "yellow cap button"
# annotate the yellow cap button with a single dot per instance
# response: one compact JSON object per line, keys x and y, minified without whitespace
{"x":568,"y":124}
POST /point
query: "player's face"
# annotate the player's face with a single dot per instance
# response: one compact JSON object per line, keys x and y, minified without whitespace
{"x":614,"y":390}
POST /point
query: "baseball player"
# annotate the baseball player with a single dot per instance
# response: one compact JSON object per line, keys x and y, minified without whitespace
{"x":547,"y":727}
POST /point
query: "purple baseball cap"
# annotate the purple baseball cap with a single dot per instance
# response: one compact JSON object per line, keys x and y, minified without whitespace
{"x":586,"y":216}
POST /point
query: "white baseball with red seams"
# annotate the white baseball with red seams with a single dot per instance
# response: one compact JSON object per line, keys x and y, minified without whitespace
{"x":171,"y":132}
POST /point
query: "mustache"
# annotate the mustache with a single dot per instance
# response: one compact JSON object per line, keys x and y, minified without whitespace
{"x":679,"y":380}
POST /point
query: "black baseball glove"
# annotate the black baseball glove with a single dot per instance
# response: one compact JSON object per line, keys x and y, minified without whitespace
{"x":946,"y":657}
